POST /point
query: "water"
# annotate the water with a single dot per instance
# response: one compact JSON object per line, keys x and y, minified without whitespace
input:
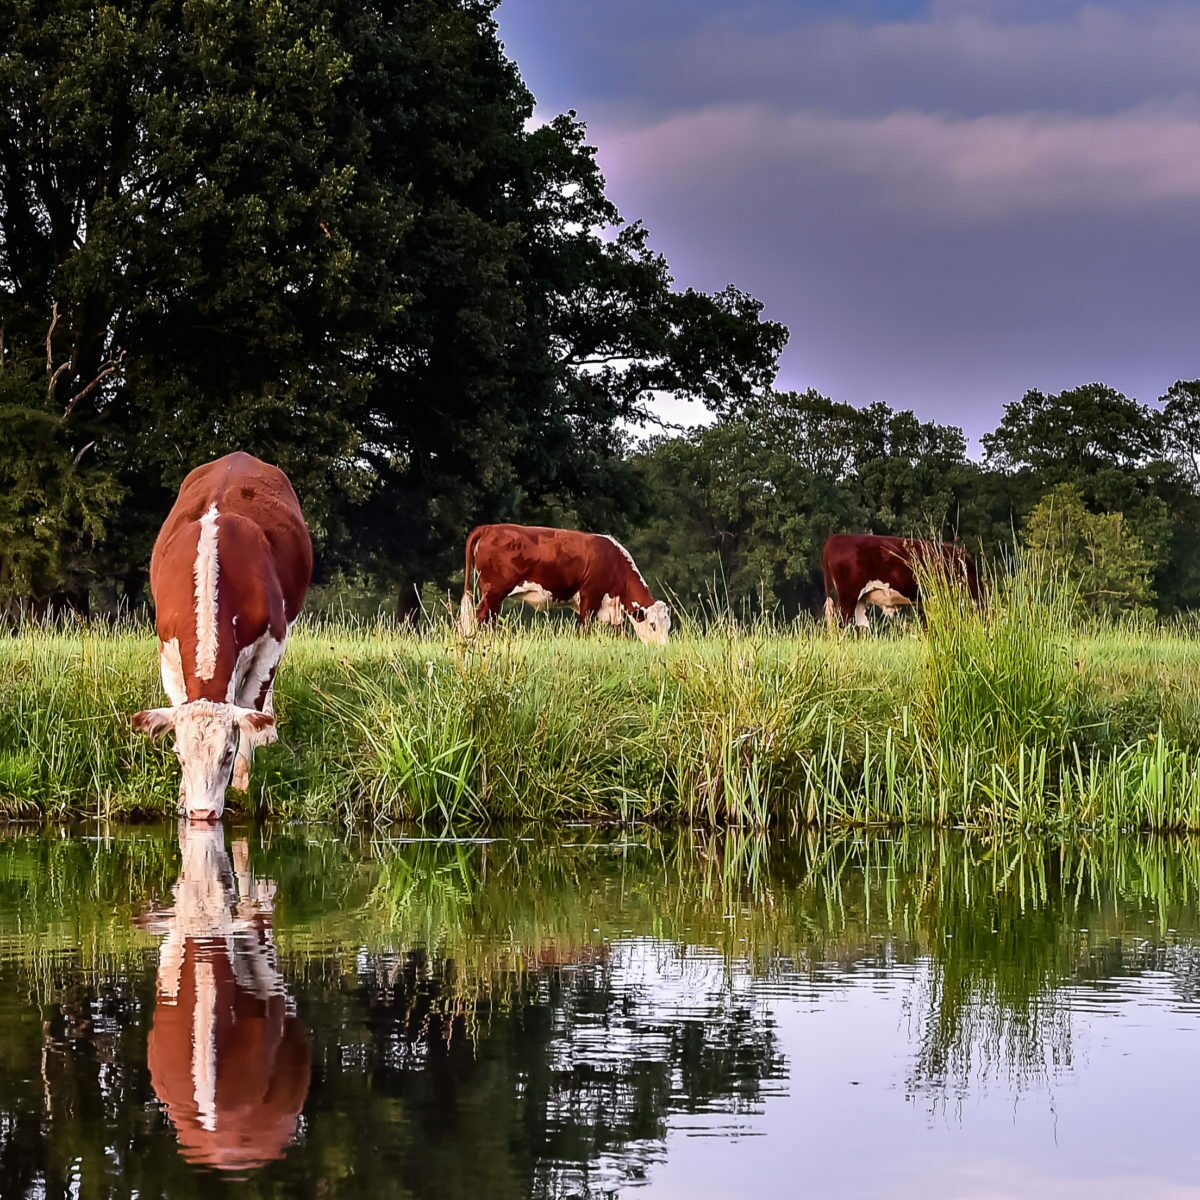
{"x":297,"y":1012}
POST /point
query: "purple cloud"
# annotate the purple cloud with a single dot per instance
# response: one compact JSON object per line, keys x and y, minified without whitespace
{"x":922,"y":167}
{"x":946,"y":207}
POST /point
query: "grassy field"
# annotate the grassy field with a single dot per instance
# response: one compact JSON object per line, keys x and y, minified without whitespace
{"x":1013,"y":718}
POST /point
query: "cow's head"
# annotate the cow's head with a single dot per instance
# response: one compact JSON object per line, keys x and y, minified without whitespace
{"x":651,"y":624}
{"x":207,"y":736}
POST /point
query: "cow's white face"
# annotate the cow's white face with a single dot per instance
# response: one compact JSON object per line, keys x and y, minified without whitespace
{"x":207,"y":735}
{"x":653,"y":624}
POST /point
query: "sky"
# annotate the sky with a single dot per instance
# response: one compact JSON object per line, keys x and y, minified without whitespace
{"x":948,"y":202}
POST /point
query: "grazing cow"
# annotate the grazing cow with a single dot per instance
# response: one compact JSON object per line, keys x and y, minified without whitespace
{"x":591,"y":572}
{"x":864,"y":569}
{"x":228,"y":1058}
{"x":229,"y":572}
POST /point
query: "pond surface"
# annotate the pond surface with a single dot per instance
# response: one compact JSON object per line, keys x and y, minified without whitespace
{"x":286,"y":1012}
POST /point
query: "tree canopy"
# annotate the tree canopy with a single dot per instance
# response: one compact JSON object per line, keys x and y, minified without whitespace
{"x":325,"y":233}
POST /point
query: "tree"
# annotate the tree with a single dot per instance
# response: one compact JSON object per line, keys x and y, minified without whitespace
{"x":321,"y":231}
{"x":1095,"y":553}
{"x":582,"y":328}
{"x":1108,"y":446}
{"x":55,"y":495}
{"x":1180,"y":424}
{"x":188,"y":185}
{"x":1087,"y":429}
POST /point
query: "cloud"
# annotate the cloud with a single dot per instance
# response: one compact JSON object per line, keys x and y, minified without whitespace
{"x":946,"y":207}
{"x":957,"y":57}
{"x":924,"y":166}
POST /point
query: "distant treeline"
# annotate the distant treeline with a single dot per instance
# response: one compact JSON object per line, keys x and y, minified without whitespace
{"x":327,"y":233}
{"x":1103,"y":488}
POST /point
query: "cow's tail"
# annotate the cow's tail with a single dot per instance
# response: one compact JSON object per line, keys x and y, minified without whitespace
{"x":830,"y":612}
{"x":467,"y":623}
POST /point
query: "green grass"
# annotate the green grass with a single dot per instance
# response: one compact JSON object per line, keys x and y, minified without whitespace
{"x":1011,"y":718}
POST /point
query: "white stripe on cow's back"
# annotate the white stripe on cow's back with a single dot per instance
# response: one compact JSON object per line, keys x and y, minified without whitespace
{"x":206,"y":574}
{"x":628,"y":557}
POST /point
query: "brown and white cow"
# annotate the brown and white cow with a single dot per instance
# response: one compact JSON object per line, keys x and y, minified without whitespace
{"x":229,"y":1059}
{"x":229,"y":572}
{"x":865,"y":568}
{"x":591,"y":572}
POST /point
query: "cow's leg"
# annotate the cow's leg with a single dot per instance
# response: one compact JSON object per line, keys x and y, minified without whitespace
{"x":588,"y":605}
{"x":488,"y":607}
{"x":257,"y":690}
{"x":493,"y":590}
{"x":831,"y":621}
{"x":245,"y":751}
{"x":611,"y":613}
{"x":170,"y":668}
{"x":492,"y":594}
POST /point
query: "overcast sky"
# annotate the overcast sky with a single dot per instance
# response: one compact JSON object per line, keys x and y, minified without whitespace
{"x":947,"y":202}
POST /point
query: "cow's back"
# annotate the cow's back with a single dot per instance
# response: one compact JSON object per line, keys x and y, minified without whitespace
{"x":555,"y":559}
{"x":851,"y":560}
{"x":563,"y":561}
{"x":258,"y":497}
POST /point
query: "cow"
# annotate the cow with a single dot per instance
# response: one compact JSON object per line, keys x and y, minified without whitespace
{"x":228,"y":574}
{"x":591,"y":572}
{"x":229,"y":1059}
{"x":864,"y":568}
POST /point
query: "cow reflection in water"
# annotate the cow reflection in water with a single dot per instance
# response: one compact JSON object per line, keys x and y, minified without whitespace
{"x":228,"y":1057}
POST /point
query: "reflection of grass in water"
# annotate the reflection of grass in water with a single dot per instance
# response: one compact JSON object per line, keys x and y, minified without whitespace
{"x":66,"y":898}
{"x":1002,"y":942}
{"x":994,"y":928}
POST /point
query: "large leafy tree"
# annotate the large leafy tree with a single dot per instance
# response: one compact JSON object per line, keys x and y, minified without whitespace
{"x":323,"y":232}
{"x":54,"y":499}
{"x":1085,"y":430}
{"x":188,"y":186}
{"x":1180,"y":427}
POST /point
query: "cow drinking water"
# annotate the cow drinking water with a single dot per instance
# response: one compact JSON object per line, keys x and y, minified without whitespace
{"x":229,"y":572}
{"x":591,"y":572}
{"x":865,"y":568}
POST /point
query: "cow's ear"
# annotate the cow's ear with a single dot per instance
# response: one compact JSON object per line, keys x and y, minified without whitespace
{"x":638,"y":613}
{"x":154,"y":721}
{"x":258,"y":726}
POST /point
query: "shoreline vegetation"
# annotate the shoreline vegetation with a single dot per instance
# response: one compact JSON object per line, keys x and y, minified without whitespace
{"x":1016,"y":716}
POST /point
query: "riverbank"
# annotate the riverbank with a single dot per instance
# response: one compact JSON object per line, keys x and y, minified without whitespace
{"x":1008,"y":720}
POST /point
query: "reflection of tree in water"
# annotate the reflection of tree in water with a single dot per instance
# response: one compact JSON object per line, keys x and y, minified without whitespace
{"x":530,"y":1020}
{"x":1009,"y":931}
{"x":988,"y":1002}
{"x":570,"y":1063}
